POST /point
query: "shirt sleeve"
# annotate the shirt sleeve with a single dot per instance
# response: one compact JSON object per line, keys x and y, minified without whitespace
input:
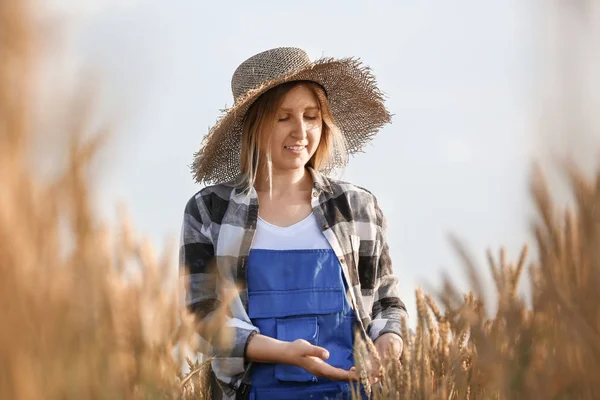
{"x":201,"y":279}
{"x":388,"y":310}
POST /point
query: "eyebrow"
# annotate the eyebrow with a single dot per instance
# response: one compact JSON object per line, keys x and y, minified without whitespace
{"x":310,"y":108}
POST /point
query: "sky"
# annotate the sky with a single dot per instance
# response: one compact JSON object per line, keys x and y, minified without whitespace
{"x":459,"y":78}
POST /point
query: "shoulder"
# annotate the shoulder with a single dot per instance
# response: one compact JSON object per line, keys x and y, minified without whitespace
{"x":351,"y":191}
{"x":210,"y":202}
{"x":340,"y":189}
{"x":362,"y":203}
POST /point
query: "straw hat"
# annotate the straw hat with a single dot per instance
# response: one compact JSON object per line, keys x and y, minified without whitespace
{"x":356,"y":103}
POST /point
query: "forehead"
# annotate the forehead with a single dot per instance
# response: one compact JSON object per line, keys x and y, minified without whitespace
{"x":299,"y":96}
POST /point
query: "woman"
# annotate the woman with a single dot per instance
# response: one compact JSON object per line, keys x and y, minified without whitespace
{"x":311,"y":264}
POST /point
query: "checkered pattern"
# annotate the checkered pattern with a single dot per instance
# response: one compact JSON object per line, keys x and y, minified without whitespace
{"x":218,"y":228}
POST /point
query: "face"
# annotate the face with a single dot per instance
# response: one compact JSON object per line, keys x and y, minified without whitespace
{"x":296,"y":131}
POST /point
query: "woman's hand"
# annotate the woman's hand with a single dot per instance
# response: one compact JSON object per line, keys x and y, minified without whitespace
{"x":299,"y":353}
{"x":313,"y":359}
{"x":389,"y":344}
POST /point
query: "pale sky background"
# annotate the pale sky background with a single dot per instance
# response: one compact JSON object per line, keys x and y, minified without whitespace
{"x":459,"y":76}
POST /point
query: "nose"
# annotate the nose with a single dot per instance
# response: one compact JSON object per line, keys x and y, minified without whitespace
{"x":299,"y":129}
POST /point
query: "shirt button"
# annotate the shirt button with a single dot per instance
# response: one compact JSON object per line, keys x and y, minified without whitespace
{"x":315,"y":193}
{"x":342,"y":261}
{"x":325,"y":227}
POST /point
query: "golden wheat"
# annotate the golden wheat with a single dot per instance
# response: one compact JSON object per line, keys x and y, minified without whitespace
{"x":76,"y":323}
{"x":550,"y":349}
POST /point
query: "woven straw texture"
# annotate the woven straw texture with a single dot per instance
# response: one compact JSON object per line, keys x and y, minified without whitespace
{"x":356,"y":103}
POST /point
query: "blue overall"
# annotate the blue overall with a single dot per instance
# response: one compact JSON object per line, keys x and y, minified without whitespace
{"x":300,"y":294}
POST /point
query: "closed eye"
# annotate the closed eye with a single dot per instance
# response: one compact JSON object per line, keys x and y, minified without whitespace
{"x":310,"y":118}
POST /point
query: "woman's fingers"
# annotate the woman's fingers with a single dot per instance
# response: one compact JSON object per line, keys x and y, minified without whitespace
{"x":319,"y":352}
{"x":353,"y":374}
{"x":307,"y":349}
{"x":312,"y":358}
{"x":324,"y":370}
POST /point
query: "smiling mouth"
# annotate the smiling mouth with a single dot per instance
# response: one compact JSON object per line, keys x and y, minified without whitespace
{"x":295,"y":148}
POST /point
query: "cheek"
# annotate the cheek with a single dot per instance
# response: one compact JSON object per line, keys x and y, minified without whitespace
{"x":275,"y":138}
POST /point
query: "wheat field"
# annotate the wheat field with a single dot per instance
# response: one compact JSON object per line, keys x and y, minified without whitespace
{"x":77,"y":324}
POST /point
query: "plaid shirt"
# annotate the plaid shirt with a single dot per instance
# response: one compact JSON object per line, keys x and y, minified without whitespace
{"x":218,"y":229}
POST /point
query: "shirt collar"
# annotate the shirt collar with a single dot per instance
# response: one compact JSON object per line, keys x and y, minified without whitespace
{"x":320,"y":182}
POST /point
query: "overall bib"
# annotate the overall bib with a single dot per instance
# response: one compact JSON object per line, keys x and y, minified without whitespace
{"x":300,"y":294}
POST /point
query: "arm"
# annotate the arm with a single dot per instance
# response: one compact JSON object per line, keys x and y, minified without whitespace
{"x":388,"y":309}
{"x":226,"y":335}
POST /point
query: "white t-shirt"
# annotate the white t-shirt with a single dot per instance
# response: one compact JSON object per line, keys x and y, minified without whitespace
{"x":305,"y":234}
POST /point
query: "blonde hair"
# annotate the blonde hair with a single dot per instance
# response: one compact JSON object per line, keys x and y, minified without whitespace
{"x":261,"y":116}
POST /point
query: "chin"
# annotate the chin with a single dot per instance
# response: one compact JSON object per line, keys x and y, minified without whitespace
{"x":291,"y":166}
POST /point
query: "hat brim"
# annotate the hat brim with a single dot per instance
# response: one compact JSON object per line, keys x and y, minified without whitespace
{"x":356,"y":103}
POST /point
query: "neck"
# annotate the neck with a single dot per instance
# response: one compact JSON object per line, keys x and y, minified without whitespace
{"x":285,"y":181}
